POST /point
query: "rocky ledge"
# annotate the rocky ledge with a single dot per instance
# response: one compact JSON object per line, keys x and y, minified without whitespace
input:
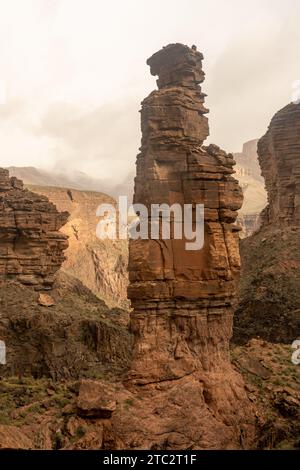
{"x":31,"y":246}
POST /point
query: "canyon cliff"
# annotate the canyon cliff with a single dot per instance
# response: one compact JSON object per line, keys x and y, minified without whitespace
{"x":183,"y":300}
{"x":31,"y":245}
{"x":279,"y":158}
{"x":269,"y":304}
{"x":101,"y":265}
{"x":248,"y":173}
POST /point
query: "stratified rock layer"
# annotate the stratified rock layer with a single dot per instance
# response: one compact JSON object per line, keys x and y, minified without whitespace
{"x":248,"y":174}
{"x":101,"y":265}
{"x":279,"y":158}
{"x":269,"y":305}
{"x":182,"y":300}
{"x":31,"y":246}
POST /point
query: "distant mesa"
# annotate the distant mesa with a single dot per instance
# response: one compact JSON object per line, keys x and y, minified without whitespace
{"x":248,"y":173}
{"x":74,"y":180}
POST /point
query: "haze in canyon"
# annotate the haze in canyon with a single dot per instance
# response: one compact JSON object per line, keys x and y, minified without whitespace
{"x":73,"y":76}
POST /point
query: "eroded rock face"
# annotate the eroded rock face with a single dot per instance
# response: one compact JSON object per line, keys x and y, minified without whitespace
{"x":31,"y":246}
{"x":269,"y":297}
{"x":182,"y":300}
{"x":279,"y":158}
{"x":101,"y":265}
{"x":75,"y":337}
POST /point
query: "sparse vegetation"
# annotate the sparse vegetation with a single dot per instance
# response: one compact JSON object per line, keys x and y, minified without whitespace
{"x":277,"y":398}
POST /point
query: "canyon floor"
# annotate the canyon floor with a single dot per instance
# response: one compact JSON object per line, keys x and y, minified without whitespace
{"x":78,"y":347}
{"x":43,"y":414}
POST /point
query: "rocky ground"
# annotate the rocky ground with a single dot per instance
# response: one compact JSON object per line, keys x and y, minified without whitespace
{"x":49,"y":351}
{"x":266,"y":323}
{"x":42,"y":413}
{"x":77,"y":336}
{"x":269,"y":304}
{"x":273,"y":385}
{"x":46,"y":414}
{"x":66,"y":388}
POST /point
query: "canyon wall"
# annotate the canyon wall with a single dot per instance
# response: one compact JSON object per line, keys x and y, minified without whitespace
{"x":279,"y":158}
{"x":101,"y":265}
{"x":31,"y":245}
{"x":183,"y":299}
{"x":269,"y":305}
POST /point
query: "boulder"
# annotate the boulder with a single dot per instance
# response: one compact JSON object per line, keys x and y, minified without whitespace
{"x":95,"y":399}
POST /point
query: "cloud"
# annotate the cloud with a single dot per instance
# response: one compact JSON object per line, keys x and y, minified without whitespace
{"x":251,"y":80}
{"x":11,"y":109}
{"x":100,"y":141}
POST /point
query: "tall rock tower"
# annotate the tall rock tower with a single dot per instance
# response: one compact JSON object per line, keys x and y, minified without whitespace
{"x":182,"y":299}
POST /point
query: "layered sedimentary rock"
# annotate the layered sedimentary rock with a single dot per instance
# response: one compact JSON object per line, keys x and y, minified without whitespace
{"x":279,"y":158}
{"x":182,"y":300}
{"x":31,"y":246}
{"x":77,"y":335}
{"x":247,"y":161}
{"x":101,"y":265}
{"x":248,"y":173}
{"x":269,"y":305}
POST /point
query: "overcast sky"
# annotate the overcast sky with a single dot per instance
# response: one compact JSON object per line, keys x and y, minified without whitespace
{"x":73,"y":74}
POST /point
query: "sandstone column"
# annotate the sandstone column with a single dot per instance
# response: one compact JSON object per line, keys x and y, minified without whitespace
{"x":182,"y":300}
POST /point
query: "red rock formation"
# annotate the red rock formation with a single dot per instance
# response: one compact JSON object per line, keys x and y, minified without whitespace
{"x":279,"y":158}
{"x":182,"y":300}
{"x":31,"y":246}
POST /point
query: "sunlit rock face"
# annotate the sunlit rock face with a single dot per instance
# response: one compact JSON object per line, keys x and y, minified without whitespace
{"x":101,"y":265}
